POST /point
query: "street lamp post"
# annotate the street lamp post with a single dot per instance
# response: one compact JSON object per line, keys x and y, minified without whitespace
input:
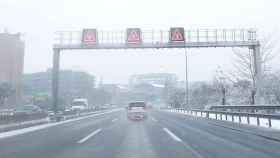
{"x":187,"y":82}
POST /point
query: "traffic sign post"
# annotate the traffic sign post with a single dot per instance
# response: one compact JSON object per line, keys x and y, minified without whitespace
{"x":177,"y":34}
{"x":133,"y":36}
{"x":89,"y":37}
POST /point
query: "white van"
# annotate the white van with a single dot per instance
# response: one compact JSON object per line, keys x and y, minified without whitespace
{"x":79,"y":104}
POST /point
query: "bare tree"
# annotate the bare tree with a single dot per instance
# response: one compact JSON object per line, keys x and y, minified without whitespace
{"x":272,"y":88}
{"x":176,"y":98}
{"x":203,"y":94}
{"x":221,"y":84}
{"x":244,"y":64}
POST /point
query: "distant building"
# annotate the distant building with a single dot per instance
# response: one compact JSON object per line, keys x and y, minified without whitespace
{"x":72,"y":84}
{"x":152,"y":87}
{"x":11,"y":64}
{"x":118,"y":93}
{"x":111,"y":88}
{"x":154,"y":79}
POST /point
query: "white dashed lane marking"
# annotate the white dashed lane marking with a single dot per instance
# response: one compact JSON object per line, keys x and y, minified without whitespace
{"x":155,"y":120}
{"x":89,"y":136}
{"x":114,"y":120}
{"x":172,"y":135}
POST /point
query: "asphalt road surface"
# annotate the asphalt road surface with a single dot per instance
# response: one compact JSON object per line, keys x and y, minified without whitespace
{"x":162,"y":135}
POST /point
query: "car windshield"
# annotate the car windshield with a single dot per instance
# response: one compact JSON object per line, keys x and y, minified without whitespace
{"x":139,"y":78}
{"x":78,"y":103}
{"x":137,"y":104}
{"x":26,"y":107}
{"x":29,"y":107}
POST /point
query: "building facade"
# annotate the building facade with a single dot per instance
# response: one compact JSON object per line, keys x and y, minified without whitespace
{"x":11,"y":65}
{"x":72,"y":84}
{"x":155,"y":79}
{"x":152,"y":87}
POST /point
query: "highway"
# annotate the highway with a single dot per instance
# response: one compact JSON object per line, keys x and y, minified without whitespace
{"x":162,"y":135}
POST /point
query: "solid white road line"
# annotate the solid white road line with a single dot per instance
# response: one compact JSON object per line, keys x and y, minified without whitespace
{"x":172,"y":135}
{"x":39,"y":127}
{"x":114,"y":120}
{"x":89,"y":136}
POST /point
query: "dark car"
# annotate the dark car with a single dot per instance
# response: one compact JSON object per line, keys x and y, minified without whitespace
{"x":28,"y":109}
{"x":56,"y":117}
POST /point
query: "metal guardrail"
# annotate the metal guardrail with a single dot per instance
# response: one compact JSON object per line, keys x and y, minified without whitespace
{"x":18,"y":124}
{"x":219,"y":114}
{"x":17,"y":117}
{"x":244,"y":107}
{"x":11,"y":116}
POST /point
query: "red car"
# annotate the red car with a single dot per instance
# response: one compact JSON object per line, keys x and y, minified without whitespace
{"x":136,"y":111}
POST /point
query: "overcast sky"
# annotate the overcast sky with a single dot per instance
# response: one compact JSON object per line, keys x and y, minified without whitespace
{"x":38,"y":20}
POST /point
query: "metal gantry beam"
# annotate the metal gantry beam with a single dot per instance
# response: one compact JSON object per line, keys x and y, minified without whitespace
{"x":159,"y":45}
{"x":160,"y":39}
{"x":155,"y":39}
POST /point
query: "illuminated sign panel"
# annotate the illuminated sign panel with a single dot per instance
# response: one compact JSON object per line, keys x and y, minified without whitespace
{"x":133,"y":36}
{"x":177,"y":34}
{"x":89,"y":37}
